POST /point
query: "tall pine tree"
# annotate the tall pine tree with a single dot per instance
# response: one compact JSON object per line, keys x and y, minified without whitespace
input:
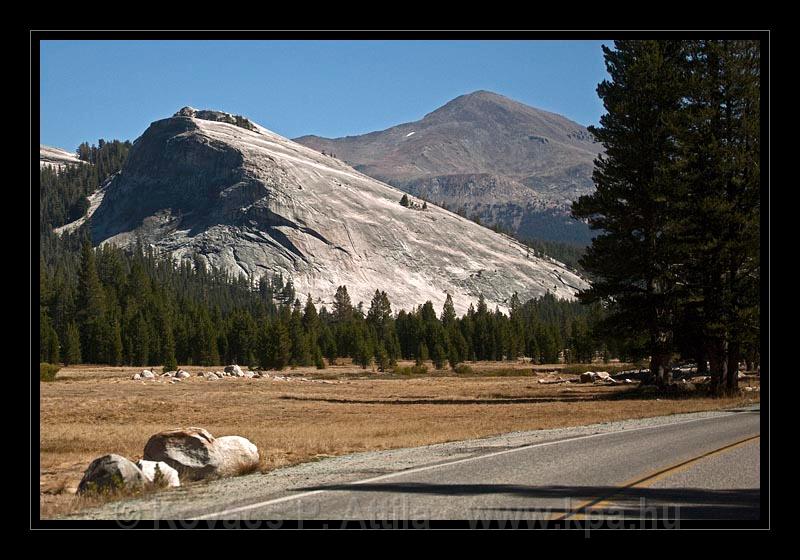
{"x":632,"y":260}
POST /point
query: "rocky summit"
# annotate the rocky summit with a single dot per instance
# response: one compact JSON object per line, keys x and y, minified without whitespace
{"x":485,"y":155}
{"x":218,"y":187}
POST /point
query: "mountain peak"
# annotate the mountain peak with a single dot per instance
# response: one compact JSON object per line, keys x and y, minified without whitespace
{"x":483,"y":94}
{"x":476,"y":102}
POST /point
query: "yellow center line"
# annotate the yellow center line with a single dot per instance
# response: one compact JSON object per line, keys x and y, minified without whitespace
{"x":643,"y":482}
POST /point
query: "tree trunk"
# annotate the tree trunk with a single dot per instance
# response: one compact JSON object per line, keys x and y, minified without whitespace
{"x":717,"y":367}
{"x":732,"y":385}
{"x":660,"y":367}
{"x":702,"y":365}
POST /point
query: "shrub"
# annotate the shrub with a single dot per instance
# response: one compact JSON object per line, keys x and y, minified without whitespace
{"x":170,"y":364}
{"x":47,"y":372}
{"x":413,"y":370}
{"x":462,"y":369}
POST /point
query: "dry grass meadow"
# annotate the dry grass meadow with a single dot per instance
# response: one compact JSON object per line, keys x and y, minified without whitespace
{"x":89,"y":411}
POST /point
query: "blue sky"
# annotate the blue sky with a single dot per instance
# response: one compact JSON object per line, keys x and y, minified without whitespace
{"x":115,"y":89}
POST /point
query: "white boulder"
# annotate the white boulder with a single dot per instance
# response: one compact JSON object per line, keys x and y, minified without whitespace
{"x":238,"y":455}
{"x":168,"y":476}
{"x":234,"y":370}
{"x":147,"y":374}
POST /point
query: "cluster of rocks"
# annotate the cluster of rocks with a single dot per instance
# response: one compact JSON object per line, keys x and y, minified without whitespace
{"x":602,"y":377}
{"x":230,"y":371}
{"x":217,"y":116}
{"x":172,"y":375}
{"x":171,"y":457}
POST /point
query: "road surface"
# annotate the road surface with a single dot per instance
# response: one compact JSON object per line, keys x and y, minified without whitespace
{"x":695,"y":466}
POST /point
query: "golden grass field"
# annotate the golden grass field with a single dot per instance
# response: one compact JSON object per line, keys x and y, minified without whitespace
{"x":90,"y":411}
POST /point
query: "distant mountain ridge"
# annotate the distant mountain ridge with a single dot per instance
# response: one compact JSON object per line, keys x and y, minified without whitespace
{"x":485,"y":155}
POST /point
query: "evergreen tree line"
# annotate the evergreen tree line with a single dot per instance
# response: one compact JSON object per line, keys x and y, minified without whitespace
{"x":62,"y":193}
{"x":105,"y":305}
{"x":677,"y":207}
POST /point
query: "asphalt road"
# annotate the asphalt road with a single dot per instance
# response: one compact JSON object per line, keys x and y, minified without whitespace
{"x":687,"y":466}
{"x":704,"y":468}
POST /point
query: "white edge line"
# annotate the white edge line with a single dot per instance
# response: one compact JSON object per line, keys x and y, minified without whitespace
{"x":447,"y":464}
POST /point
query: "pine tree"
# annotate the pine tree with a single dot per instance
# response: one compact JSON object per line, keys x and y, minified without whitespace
{"x":438,"y":356}
{"x":363,"y":350}
{"x":115,"y":344}
{"x":634,"y":205}
{"x":342,"y":306}
{"x":448,"y":312}
{"x":300,"y":353}
{"x":422,"y":354}
{"x":310,"y":318}
{"x":72,"y":345}
{"x":382,"y":357}
{"x":719,"y":138}
{"x":327,"y":344}
{"x":140,"y":342}
{"x":53,"y":347}
{"x":319,"y":363}
{"x":274,"y":346}
{"x":91,"y":308}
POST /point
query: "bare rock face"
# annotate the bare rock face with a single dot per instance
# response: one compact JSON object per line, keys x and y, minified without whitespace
{"x":111,"y":473}
{"x":190,"y":451}
{"x":56,"y":158}
{"x":167,"y":477}
{"x":238,"y":455}
{"x":248,"y":201}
